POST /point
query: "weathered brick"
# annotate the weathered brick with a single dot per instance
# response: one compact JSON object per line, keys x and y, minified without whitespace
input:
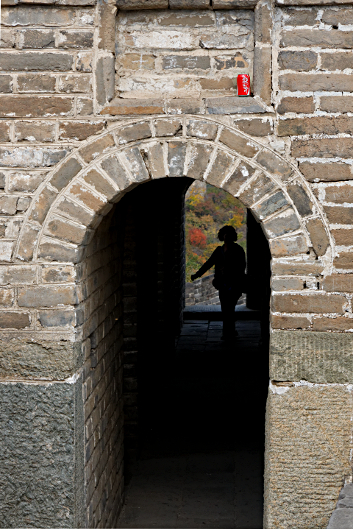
{"x":86,"y":196}
{"x":65,"y":174}
{"x":338,"y":194}
{"x":255,"y":127}
{"x":42,"y":204}
{"x":343,"y":236}
{"x":8,"y":205}
{"x":27,"y":16}
{"x":336,"y":61}
{"x":256,"y":189}
{"x":233,"y":105}
{"x":275,"y":165}
{"x":31,"y":156}
{"x":242,"y":145}
{"x":183,"y":19}
{"x":270,"y":205}
{"x":75,"y":39}
{"x":72,"y":84}
{"x":23,"y":203}
{"x":107,"y":21}
{"x":318,"y":236}
{"x":325,"y":148}
{"x":8,"y":38}
{"x":183,"y":106}
{"x":176,"y":158}
{"x":239,"y":176}
{"x":301,"y":105}
{"x":5,"y":84}
{"x":319,"y":37}
{"x":288,"y":246}
{"x":84,"y":107}
{"x":36,"y":83}
{"x":336,"y":103}
{"x":263,"y":23}
{"x":28,"y":242}
{"x":34,"y":131}
{"x":192,"y":62}
{"x":18,"y":274}
{"x":200,"y":158}
{"x":7,"y":297}
{"x":316,"y":172}
{"x":339,"y":214}
{"x":186,"y":4}
{"x":224,"y":83}
{"x":332,"y":324}
{"x":171,"y":127}
{"x":336,"y":16}
{"x":339,"y":283}
{"x":153,"y":157}
{"x":136,"y":61}
{"x":79,"y":130}
{"x":4,"y":132}
{"x":227,"y":62}
{"x":202,"y":129}
{"x":220,"y":168}
{"x":344,"y":260}
{"x":142,"y":4}
{"x":133,"y":106}
{"x":58,"y":273}
{"x":297,"y":268}
{"x":52,"y":251}
{"x":301,"y":61}
{"x":57,"y":318}
{"x":289,"y":322}
{"x":25,"y":181}
{"x":317,"y":125}
{"x":84,"y":62}
{"x":287,"y":284}
{"x":316,"y":82}
{"x":133,"y":132}
{"x":135,"y":164}
{"x":283,"y":223}
{"x":313,"y":303}
{"x":101,"y":184}
{"x":262,"y":74}
{"x":301,"y":199}
{"x":54,"y":62}
{"x":113,"y":167}
{"x":96,"y":148}
{"x":37,"y":38}
{"x":302,"y":17}
{"x":35,"y":107}
{"x":232,"y":4}
{"x":46,"y":296}
{"x":105,"y":82}
{"x":14,"y":320}
{"x":61,"y":229}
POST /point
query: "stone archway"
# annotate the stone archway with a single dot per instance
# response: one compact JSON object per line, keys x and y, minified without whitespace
{"x":72,"y":203}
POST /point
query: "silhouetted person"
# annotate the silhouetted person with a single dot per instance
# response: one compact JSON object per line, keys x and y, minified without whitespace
{"x":229,"y":262}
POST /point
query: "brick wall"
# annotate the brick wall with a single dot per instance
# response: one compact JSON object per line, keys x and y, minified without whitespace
{"x":201,"y":292}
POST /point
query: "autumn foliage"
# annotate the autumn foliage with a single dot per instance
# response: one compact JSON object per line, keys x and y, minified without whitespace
{"x":206,"y":211}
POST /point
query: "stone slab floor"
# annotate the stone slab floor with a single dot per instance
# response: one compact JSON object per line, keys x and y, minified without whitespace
{"x":200,"y":463}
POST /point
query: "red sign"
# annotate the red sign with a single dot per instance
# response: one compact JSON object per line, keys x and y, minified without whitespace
{"x":243,"y":83}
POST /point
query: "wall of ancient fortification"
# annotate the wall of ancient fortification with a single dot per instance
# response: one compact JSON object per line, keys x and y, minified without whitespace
{"x":96,"y":98}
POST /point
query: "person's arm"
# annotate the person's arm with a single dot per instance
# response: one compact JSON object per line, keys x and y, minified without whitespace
{"x":205,"y":267}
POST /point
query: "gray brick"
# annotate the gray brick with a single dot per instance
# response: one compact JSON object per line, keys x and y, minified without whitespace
{"x":53,"y":62}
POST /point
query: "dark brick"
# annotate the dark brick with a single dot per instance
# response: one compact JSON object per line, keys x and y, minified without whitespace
{"x":5,"y":84}
{"x":53,"y":62}
{"x":36,"y":83}
{"x":301,"y":105}
{"x":320,"y":37}
{"x":75,"y":39}
{"x":37,"y":38}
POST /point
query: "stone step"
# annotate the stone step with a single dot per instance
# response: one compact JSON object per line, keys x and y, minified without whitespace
{"x":213,"y":312}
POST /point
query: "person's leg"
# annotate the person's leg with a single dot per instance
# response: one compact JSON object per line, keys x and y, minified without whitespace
{"x":227,"y":306}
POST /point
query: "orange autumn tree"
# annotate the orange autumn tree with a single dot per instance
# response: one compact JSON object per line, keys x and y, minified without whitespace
{"x":207,"y":209}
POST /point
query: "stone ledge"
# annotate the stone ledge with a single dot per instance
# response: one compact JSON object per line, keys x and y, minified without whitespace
{"x":311,"y":356}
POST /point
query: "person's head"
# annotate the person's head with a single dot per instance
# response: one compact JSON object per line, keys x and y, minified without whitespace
{"x":227,"y":233}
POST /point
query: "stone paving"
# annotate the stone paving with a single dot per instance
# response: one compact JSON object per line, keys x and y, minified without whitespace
{"x":201,"y":460}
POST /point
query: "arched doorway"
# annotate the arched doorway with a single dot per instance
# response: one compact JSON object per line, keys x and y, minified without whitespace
{"x":76,"y":198}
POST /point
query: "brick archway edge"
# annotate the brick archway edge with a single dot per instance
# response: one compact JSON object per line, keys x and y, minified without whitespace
{"x":73,"y":199}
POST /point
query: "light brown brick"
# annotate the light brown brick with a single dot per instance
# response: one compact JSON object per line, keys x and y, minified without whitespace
{"x":4,"y":132}
{"x":52,"y":251}
{"x":339,"y":194}
{"x":83,"y":194}
{"x":6,"y":297}
{"x":136,"y":61}
{"x":288,"y":246}
{"x":288,"y":322}
{"x":14,"y":320}
{"x":136,"y":131}
{"x":93,"y":149}
{"x":336,"y":103}
{"x":35,"y":107}
{"x":101,"y":184}
{"x":133,"y":106}
{"x":317,"y":125}
{"x":34,"y":131}
{"x":275,"y":165}
{"x":339,"y":214}
{"x":58,"y":273}
{"x":313,"y":303}
{"x":343,"y":236}
{"x":242,"y":145}
{"x":316,"y":82}
{"x":5,"y":84}
{"x":320,"y":37}
{"x":239,"y":176}
{"x":325,"y":172}
{"x":340,"y":283}
{"x":61,"y":229}
{"x":297,"y":268}
{"x":318,"y":236}
{"x":325,"y":148}
{"x":27,"y":244}
{"x":344,"y":260}
{"x":337,"y":16}
{"x":332,"y":324}
{"x":170,"y":127}
{"x":220,"y":168}
{"x":72,"y":84}
{"x":42,"y":204}
{"x":301,"y":105}
{"x":25,"y":181}
{"x":79,"y":130}
{"x":46,"y":16}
